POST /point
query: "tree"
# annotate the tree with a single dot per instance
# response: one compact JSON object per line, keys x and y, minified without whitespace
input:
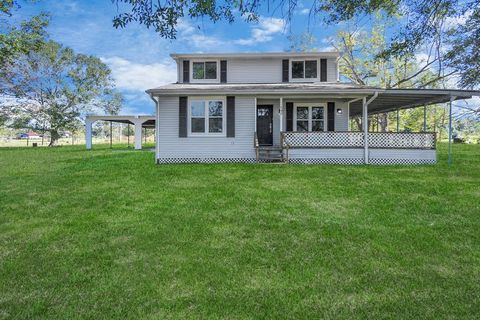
{"x":421,"y":22}
{"x":53,"y":87}
{"x":19,"y":39}
{"x":361,"y":63}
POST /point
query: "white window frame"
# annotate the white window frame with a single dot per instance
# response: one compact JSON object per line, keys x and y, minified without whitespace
{"x":317,"y":79}
{"x":206,"y":133}
{"x":216,"y":80}
{"x":309,"y":106}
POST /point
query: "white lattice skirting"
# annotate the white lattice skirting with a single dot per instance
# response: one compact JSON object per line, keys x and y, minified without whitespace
{"x":205,"y":160}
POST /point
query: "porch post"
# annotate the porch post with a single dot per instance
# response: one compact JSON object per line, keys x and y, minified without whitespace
{"x":88,"y":133}
{"x":281,"y":114}
{"x":365,"y":129}
{"x":450,"y":131}
{"x":255,"y":113}
{"x":425,"y":118}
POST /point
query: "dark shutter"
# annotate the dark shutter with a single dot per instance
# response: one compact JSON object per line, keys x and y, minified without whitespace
{"x":289,"y":116}
{"x":223,"y":71}
{"x":182,"y":117}
{"x":331,"y":116}
{"x":285,"y":70}
{"x":186,"y":71}
{"x":323,"y":70}
{"x":230,"y":117}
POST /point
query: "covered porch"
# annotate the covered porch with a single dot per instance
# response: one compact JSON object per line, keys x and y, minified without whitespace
{"x":315,"y":128}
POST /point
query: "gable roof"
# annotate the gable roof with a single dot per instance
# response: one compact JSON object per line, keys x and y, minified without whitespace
{"x":387,"y":99}
{"x":251,"y":55}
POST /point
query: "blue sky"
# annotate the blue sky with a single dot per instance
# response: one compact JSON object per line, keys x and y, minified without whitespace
{"x":139,"y":58}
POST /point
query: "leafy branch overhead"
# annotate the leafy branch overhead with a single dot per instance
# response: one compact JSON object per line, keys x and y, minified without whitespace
{"x":419,"y":23}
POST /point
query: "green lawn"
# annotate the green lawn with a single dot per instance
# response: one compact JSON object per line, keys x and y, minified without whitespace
{"x":108,"y":234}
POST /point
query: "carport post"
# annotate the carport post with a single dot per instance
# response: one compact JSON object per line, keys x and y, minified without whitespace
{"x":365,"y":129}
{"x":450,"y":131}
{"x":111,"y":134}
{"x":138,"y":133}
{"x":128,"y":135}
{"x":88,"y":133}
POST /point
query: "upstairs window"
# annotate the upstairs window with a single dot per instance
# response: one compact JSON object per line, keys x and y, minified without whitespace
{"x":304,"y":69}
{"x":204,"y":70}
{"x":206,"y":117}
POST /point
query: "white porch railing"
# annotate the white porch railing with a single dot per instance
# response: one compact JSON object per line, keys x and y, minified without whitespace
{"x":349,"y":139}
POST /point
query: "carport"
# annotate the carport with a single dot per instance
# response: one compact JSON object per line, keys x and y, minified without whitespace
{"x":139,"y":122}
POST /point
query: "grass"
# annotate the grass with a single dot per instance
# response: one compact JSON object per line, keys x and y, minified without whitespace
{"x":108,"y":234}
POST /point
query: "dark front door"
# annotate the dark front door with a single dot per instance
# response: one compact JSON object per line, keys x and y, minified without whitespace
{"x":265,"y":125}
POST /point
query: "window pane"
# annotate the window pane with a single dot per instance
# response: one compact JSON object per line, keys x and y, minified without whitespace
{"x":198,"y":109}
{"x":317,"y":125}
{"x":297,"y":69}
{"x":198,"y":70}
{"x":215,"y":124}
{"x":302,"y":125}
{"x":215,"y":108}
{"x":311,"y":69}
{"x":210,"y":70}
{"x":198,"y":125}
{"x":302,"y":113}
{"x":317,"y":113}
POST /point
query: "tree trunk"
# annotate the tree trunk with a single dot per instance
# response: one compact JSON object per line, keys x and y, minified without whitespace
{"x":54,"y":136}
{"x":383,"y":121}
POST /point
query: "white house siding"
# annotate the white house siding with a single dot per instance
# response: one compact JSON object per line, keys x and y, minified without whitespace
{"x":254,"y":71}
{"x":173,"y":149}
{"x":260,"y":70}
{"x":320,"y":156}
{"x":402,"y":156}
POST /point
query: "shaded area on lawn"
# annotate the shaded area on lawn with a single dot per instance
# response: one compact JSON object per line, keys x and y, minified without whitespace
{"x":104,"y":234}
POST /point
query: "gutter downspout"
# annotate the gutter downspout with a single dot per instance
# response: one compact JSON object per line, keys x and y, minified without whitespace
{"x":365,"y":125}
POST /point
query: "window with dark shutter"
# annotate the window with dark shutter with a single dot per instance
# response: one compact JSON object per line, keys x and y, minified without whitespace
{"x":323,"y":70}
{"x":182,"y":117}
{"x":186,"y":71}
{"x":285,"y":76}
{"x":230,"y":117}
{"x":289,"y":126}
{"x":223,"y":71}
{"x":331,"y":116}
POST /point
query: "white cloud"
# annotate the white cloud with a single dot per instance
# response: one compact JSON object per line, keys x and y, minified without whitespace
{"x":263,"y":31}
{"x":133,"y":76}
{"x":304,"y":12}
{"x":453,"y":22}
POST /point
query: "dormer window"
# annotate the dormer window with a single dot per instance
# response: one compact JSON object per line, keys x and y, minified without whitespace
{"x":304,"y":69}
{"x":204,"y":70}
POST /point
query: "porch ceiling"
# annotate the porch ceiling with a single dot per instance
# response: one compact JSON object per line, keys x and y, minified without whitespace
{"x":393,"y":99}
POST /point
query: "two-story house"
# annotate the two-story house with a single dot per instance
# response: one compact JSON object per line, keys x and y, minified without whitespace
{"x":251,"y":107}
